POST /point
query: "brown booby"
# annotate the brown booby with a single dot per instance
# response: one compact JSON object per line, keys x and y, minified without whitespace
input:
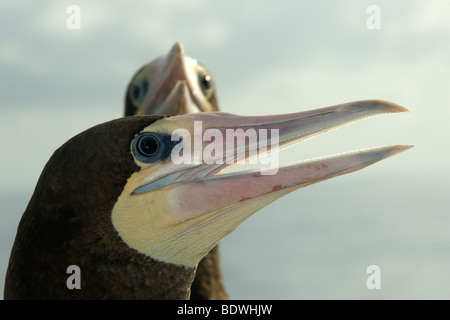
{"x":177,"y":84}
{"x":171,"y":84}
{"x":117,"y":202}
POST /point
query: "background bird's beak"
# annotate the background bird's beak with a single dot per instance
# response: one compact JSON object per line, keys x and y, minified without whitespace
{"x":180,"y":100}
{"x":175,"y":93}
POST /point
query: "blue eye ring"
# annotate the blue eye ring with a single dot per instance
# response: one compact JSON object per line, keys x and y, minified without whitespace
{"x":149,"y":147}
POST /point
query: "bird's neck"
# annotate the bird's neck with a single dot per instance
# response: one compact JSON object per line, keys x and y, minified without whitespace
{"x":108,"y":268}
{"x":137,"y":277}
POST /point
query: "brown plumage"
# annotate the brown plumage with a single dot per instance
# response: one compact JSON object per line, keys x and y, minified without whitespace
{"x":208,"y":282}
{"x":67,"y":222}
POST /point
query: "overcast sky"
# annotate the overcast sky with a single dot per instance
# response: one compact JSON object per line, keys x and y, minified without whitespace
{"x":267,"y":57}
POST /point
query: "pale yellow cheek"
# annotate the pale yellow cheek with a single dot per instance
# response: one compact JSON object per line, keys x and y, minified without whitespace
{"x":140,"y":220}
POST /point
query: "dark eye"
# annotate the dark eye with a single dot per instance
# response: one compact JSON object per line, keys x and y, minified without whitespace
{"x":148,"y":147}
{"x":205,"y":82}
{"x":138,"y":90}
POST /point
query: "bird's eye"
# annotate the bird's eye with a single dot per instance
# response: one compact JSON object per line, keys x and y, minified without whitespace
{"x":138,"y":90}
{"x":205,"y":81}
{"x":147,"y":147}
{"x":150,"y":147}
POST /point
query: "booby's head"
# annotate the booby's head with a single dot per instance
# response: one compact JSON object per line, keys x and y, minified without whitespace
{"x":136,"y":202}
{"x":172,"y":84}
{"x":179,"y":205}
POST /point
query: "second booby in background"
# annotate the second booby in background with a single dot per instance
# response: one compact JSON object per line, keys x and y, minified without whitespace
{"x":172,"y":84}
{"x":177,"y":84}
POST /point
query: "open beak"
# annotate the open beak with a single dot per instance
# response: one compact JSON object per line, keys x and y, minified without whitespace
{"x":214,"y":141}
{"x":190,"y":184}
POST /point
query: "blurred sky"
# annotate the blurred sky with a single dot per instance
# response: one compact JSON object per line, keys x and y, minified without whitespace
{"x":266,"y":57}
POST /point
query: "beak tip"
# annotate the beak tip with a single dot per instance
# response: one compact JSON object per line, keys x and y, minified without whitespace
{"x":375,"y":106}
{"x":400,"y":148}
{"x":177,"y":49}
{"x":386,"y":152}
{"x":389,"y":107}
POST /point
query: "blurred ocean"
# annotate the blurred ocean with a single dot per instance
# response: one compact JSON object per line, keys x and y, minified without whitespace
{"x":317,"y":242}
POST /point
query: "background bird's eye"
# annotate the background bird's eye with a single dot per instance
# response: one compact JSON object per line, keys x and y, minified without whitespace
{"x":205,"y":81}
{"x":138,"y":90}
